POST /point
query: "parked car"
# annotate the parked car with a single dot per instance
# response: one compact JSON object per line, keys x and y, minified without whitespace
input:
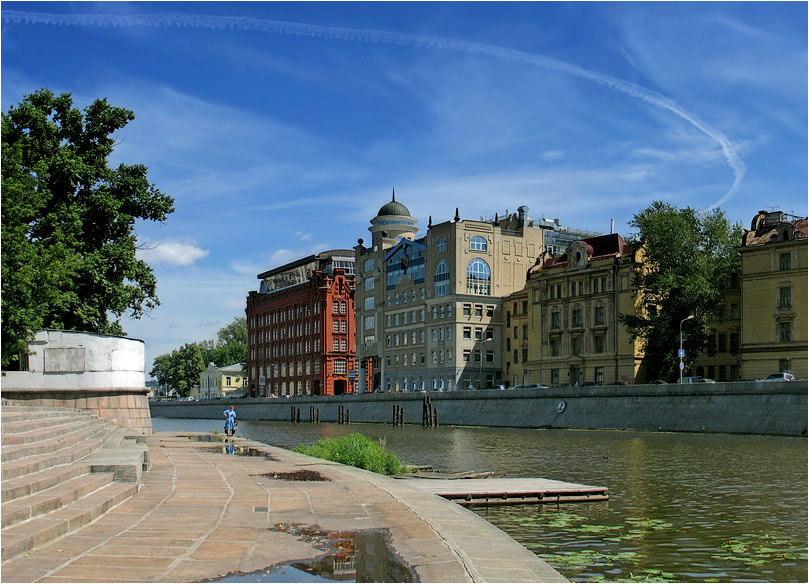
{"x":779,"y":377}
{"x":657,"y":382}
{"x":697,"y":379}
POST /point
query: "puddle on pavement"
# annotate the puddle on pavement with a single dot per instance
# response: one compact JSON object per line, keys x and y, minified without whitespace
{"x":227,"y":447}
{"x":351,"y":556}
{"x":298,"y":475}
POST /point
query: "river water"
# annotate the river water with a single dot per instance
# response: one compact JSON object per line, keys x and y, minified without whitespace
{"x":682,"y":508}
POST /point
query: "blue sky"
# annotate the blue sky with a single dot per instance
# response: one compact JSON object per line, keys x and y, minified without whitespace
{"x":281,"y":128}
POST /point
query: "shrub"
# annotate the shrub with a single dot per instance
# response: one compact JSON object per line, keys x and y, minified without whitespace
{"x":356,"y":450}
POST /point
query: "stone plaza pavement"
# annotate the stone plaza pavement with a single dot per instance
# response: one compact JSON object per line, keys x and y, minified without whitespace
{"x":201,"y":513}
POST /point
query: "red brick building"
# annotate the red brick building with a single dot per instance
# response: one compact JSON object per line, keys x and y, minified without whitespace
{"x":300,"y":327}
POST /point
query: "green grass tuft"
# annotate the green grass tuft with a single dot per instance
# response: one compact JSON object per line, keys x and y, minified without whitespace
{"x":356,"y":450}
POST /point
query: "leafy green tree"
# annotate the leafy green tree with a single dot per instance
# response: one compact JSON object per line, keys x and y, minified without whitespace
{"x":231,"y":344}
{"x":69,"y":245}
{"x":180,"y":369}
{"x":690,"y":262}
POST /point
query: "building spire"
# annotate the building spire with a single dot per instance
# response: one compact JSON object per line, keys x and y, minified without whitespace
{"x":393,"y":196}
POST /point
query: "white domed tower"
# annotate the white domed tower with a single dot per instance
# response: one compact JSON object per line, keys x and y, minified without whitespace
{"x":392,"y":222}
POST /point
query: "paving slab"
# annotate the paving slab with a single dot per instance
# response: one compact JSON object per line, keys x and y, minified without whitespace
{"x":202,"y":514}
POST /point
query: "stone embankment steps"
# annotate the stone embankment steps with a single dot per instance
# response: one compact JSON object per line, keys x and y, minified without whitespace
{"x":61,"y":469}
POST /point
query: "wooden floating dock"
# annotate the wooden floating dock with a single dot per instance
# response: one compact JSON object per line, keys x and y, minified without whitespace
{"x":508,"y":491}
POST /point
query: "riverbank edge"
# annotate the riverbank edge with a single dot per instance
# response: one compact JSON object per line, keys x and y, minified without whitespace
{"x":200,"y":514}
{"x":483,"y":550}
{"x":778,"y":409}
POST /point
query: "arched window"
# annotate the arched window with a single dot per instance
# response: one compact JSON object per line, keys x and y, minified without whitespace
{"x":441,"y":279}
{"x":478,"y":243}
{"x":441,"y":245}
{"x":478,"y":278}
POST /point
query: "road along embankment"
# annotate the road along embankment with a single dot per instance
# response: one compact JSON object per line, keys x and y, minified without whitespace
{"x":736,"y":408}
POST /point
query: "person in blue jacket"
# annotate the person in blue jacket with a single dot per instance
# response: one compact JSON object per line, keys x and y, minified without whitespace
{"x":230,"y":421}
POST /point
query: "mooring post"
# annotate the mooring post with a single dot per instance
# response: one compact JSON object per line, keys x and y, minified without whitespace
{"x":348,"y":416}
{"x":435,"y":417}
{"x":297,"y":415}
{"x":318,"y":415}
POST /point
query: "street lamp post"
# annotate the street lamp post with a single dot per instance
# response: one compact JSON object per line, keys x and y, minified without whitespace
{"x":681,"y":354}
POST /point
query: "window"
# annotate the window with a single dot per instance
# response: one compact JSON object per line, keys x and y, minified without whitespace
{"x":441,"y":245}
{"x":369,"y":303}
{"x":598,"y":344}
{"x":508,"y":343}
{"x":467,"y":310}
{"x":467,"y":332}
{"x":598,"y":374}
{"x":489,"y":310}
{"x":525,"y":332}
{"x":335,"y":326}
{"x":554,"y":377}
{"x":340,"y":367}
{"x":489,"y":356}
{"x":576,"y":317}
{"x":466,"y":355}
{"x":335,"y":345}
{"x":369,"y":264}
{"x":478,"y":278}
{"x":785,"y":296}
{"x":785,"y":261}
{"x":477,"y":243}
{"x":555,"y":319}
{"x":441,"y":279}
{"x":575,"y":345}
{"x":556,"y":345}
{"x":599,"y":315}
{"x":785,"y":331}
{"x":478,"y":333}
{"x":785,"y":365}
{"x":722,"y":343}
{"x":734,"y":311}
{"x":734,"y":343}
{"x":479,"y":310}
{"x":369,"y":322}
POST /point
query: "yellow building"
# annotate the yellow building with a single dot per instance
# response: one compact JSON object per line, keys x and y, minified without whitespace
{"x":774,"y":296}
{"x":216,"y":382}
{"x":516,"y":333}
{"x":574,"y":336}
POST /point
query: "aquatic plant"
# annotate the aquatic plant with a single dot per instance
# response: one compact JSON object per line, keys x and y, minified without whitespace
{"x":356,"y":450}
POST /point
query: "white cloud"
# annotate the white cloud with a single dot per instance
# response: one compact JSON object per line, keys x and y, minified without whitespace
{"x":171,"y":253}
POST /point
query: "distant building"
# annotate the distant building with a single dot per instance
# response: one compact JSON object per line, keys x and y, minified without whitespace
{"x":429,"y":307}
{"x":722,"y":360}
{"x":216,"y":382}
{"x":300,"y":327}
{"x":774,"y":296}
{"x":565,"y":327}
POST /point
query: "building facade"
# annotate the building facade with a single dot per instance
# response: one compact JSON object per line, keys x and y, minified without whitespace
{"x":221,"y":382}
{"x":301,"y":331}
{"x":565,"y":324}
{"x":774,"y":296}
{"x":429,"y":307}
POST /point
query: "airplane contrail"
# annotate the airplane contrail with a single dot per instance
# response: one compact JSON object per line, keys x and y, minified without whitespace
{"x":379,"y":36}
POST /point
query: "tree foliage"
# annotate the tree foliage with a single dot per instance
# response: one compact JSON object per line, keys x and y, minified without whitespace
{"x":690,"y":261}
{"x":180,"y":369}
{"x":68,"y":239}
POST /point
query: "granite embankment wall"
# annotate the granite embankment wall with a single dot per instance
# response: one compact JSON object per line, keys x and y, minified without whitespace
{"x":738,"y":408}
{"x":99,"y":373}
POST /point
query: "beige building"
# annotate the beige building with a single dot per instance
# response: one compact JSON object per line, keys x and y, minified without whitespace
{"x":567,"y":322}
{"x":722,"y":359}
{"x":774,"y":296}
{"x":216,"y":382}
{"x":429,"y":313}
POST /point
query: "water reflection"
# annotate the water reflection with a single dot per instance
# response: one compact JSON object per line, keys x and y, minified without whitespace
{"x":351,"y":556}
{"x":686,"y":507}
